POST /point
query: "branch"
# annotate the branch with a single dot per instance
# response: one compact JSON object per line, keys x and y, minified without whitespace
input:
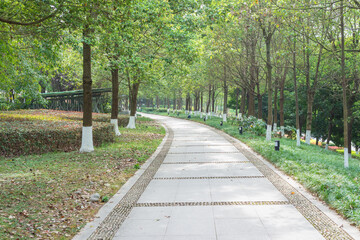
{"x":30,"y":23}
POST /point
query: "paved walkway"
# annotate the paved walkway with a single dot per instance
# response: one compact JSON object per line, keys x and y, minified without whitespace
{"x":206,"y":186}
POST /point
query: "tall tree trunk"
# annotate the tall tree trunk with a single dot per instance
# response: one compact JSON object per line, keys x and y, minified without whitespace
{"x":213,"y":99}
{"x":311,"y":93}
{"x":237,"y":90}
{"x":259,"y":97}
{"x":202,"y":101}
{"x":174,"y":104}
{"x":282,"y":99}
{"x":269,"y":80}
{"x":190,"y":104}
{"x":208,"y":102}
{"x":133,"y":91}
{"x":296,"y":97}
{"x":275,"y":104}
{"x":332,"y":115}
{"x":225,"y":110}
{"x":87,"y":137}
{"x":243,"y":101}
{"x":115,"y":100}
{"x":344,"y":87}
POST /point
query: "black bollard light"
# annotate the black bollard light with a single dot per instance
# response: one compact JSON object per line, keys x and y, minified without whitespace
{"x":189,"y":116}
{"x":204,"y":119}
{"x":277,"y":145}
{"x":221,"y":123}
{"x":177,"y":113}
{"x":240,"y":130}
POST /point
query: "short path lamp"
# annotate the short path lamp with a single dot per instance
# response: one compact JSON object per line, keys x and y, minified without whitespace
{"x":177,"y":113}
{"x":221,"y":123}
{"x":277,"y":145}
{"x":240,"y":130}
{"x":189,"y":116}
{"x":204,"y":119}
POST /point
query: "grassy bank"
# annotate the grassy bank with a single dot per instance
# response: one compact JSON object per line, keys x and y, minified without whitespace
{"x":319,"y":170}
{"x":47,"y":196}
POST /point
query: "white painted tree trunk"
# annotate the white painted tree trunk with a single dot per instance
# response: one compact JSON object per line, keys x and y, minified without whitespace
{"x":240,"y":116}
{"x":357,"y":151}
{"x":346,"y":158}
{"x":201,"y":115}
{"x":116,"y":127}
{"x":308,"y":137}
{"x":275,"y":127}
{"x":87,"y":140}
{"x":131,"y":124}
{"x":224,"y":117}
{"x":282,"y":130}
{"x":168,"y":111}
{"x":326,"y":146}
{"x":268,"y":133}
{"x":298,"y":137}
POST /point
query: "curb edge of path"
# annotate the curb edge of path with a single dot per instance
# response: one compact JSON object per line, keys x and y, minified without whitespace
{"x":107,"y":208}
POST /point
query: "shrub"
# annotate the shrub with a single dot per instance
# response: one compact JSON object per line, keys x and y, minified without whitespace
{"x":23,"y":134}
{"x":254,"y":125}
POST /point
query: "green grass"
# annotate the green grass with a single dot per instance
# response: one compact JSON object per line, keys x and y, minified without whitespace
{"x":319,"y":170}
{"x":46,"y":196}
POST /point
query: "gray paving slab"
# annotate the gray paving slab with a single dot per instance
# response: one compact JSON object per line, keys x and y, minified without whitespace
{"x":205,"y":157}
{"x":216,"y":222}
{"x":199,"y":143}
{"x":205,"y":190}
{"x":207,"y":170}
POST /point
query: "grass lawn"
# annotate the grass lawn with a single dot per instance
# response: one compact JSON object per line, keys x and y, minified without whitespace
{"x":47,"y":196}
{"x":320,"y":171}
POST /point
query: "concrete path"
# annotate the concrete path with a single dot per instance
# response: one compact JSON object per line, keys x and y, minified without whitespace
{"x":208,"y":187}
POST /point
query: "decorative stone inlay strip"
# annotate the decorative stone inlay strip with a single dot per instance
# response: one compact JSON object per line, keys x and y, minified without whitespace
{"x":206,"y":162}
{"x":180,"y":204}
{"x":223,"y":177}
{"x":113,"y":221}
{"x":198,"y":152}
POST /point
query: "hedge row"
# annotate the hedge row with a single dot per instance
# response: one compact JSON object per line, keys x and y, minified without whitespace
{"x":36,"y":137}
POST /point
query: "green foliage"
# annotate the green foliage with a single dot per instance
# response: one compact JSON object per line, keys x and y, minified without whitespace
{"x":105,"y":199}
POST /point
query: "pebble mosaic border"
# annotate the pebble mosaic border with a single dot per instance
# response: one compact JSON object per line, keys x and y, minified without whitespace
{"x":223,"y":177}
{"x":206,"y":162}
{"x":180,"y":204}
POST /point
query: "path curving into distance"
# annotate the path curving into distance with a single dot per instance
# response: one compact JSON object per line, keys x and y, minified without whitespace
{"x":205,"y":185}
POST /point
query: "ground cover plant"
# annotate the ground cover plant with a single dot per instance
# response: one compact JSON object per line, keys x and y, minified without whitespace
{"x":48,"y":196}
{"x":40,"y":131}
{"x":320,"y":171}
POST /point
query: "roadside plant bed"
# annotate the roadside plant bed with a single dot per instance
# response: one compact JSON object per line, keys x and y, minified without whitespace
{"x":39,"y":131}
{"x":56,"y":115}
{"x":320,"y":171}
{"x":48,"y":196}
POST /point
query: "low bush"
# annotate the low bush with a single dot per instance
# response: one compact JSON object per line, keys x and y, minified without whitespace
{"x":36,"y":137}
{"x":41,"y":131}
